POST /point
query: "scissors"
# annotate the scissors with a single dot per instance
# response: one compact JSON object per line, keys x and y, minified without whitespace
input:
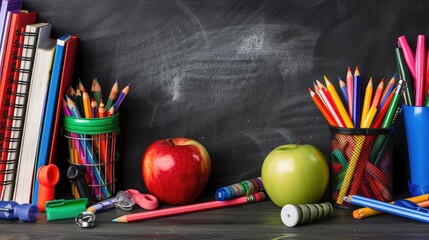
{"x":145,"y":201}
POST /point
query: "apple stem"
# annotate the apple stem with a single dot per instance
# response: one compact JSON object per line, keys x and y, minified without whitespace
{"x":299,"y":141}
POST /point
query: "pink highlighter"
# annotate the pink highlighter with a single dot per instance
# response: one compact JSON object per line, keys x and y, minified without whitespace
{"x":420,"y":70}
{"x":48,"y":177}
{"x":408,"y":55}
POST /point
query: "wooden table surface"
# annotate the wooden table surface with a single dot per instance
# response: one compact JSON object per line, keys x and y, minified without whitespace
{"x":252,"y":221}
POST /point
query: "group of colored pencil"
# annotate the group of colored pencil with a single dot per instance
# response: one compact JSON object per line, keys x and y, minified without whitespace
{"x":93,"y":151}
{"x":414,"y":69}
{"x":94,"y":107}
{"x":368,"y":154}
{"x":377,"y":111}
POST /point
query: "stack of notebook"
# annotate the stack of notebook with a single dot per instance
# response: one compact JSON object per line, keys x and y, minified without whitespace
{"x":35,"y":71}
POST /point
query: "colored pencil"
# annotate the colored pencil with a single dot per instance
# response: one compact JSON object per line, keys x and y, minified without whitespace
{"x":373,"y":109}
{"x":322,"y":108}
{"x":80,"y":86}
{"x":356,"y":97}
{"x":349,"y":80}
{"x":387,"y":91}
{"x":94,"y":108}
{"x":366,"y":102}
{"x":197,"y":207}
{"x":342,"y":111}
{"x":124,"y":92}
{"x":86,"y":104}
{"x":79,"y":102}
{"x":113,"y":95}
{"x":365,"y":212}
{"x":327,"y":99}
{"x":381,"y":113}
{"x":96,"y":91}
{"x":388,"y":208}
{"x":343,"y":89}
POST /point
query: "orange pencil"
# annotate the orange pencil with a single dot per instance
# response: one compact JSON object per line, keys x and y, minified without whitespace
{"x":380,"y":117}
{"x":330,"y":104}
{"x":322,"y":108}
{"x":104,"y":149}
{"x":374,"y":105}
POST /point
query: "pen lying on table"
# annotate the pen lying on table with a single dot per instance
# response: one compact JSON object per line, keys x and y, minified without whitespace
{"x":416,"y":213}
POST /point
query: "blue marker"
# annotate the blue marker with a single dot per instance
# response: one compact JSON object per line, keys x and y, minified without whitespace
{"x":402,"y":209}
{"x":12,"y":210}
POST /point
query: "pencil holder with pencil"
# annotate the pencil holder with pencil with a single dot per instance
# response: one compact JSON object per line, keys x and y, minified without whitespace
{"x":92,"y":144}
{"x":361,"y":163}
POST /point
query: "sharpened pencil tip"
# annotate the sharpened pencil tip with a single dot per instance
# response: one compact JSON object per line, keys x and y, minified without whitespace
{"x":115,"y":220}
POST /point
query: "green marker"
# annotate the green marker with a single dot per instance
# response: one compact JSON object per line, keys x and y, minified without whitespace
{"x":382,"y":140}
{"x":387,"y":122}
{"x":404,"y":74}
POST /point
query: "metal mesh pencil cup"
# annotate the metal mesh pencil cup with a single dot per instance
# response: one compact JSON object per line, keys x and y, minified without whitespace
{"x":92,"y":143}
{"x":361,"y":164}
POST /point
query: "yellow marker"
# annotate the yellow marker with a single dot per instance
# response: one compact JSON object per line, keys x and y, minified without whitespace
{"x":339,"y":104}
{"x":366,"y":102}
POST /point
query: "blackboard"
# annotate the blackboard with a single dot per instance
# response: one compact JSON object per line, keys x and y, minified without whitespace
{"x":230,"y":74}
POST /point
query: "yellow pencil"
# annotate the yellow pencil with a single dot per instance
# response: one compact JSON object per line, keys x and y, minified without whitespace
{"x":366,"y":102}
{"x":86,"y":104}
{"x":374,"y":105}
{"x":338,"y":103}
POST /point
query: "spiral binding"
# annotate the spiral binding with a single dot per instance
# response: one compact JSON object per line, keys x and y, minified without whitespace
{"x":8,"y":104}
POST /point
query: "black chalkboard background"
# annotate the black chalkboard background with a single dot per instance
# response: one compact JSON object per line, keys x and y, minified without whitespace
{"x":230,"y":74}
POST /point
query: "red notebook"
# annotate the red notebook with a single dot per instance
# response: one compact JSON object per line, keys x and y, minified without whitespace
{"x":66,"y":76}
{"x":18,"y":21}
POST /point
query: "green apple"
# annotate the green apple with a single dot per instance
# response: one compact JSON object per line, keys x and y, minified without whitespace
{"x":295,"y":174}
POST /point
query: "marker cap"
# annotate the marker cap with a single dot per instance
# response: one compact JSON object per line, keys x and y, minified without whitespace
{"x":290,"y":215}
{"x":27,"y":212}
{"x":223,"y":194}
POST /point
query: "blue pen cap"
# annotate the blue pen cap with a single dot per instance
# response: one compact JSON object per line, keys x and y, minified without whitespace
{"x":27,"y":212}
{"x":223,"y":194}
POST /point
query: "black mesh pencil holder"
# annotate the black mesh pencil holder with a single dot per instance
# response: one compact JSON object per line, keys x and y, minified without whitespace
{"x":361,"y":164}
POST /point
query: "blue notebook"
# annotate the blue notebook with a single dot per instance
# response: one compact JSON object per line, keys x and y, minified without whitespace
{"x":50,"y":110}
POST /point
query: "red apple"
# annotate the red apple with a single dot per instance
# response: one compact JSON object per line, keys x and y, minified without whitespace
{"x":176,"y":170}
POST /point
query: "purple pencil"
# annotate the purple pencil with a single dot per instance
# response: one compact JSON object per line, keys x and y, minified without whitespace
{"x":121,"y":97}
